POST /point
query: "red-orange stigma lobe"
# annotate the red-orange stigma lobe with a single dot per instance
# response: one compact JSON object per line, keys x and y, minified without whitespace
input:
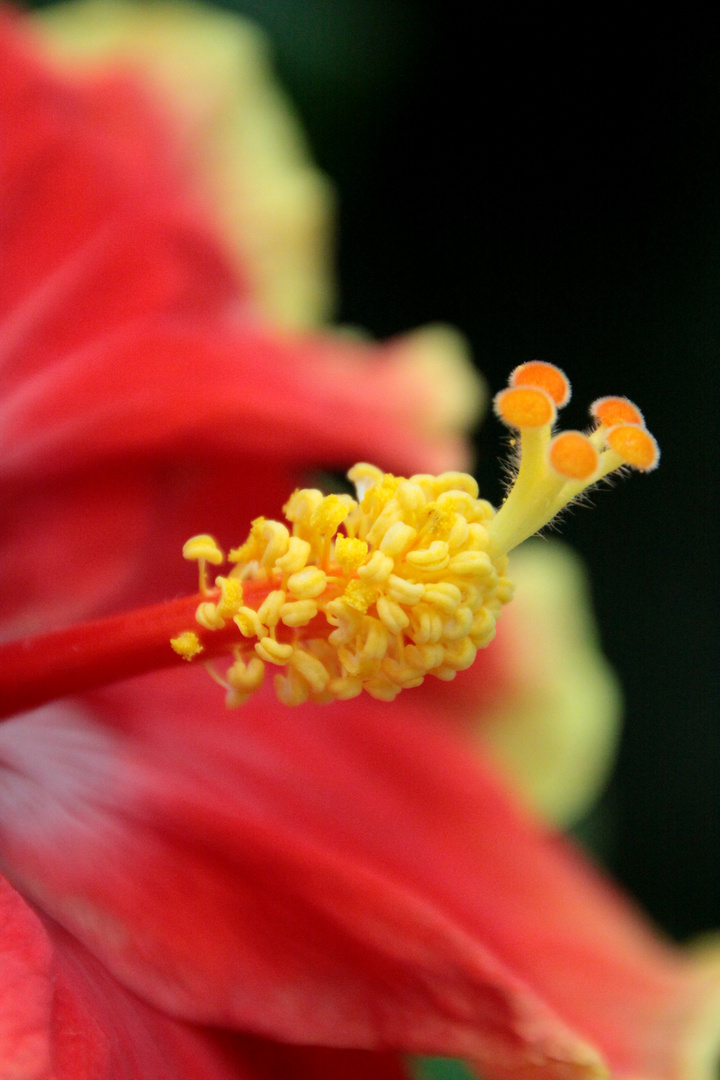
{"x":525,"y":407}
{"x":635,"y":445}
{"x":543,"y":376}
{"x":572,"y":455}
{"x":611,"y":411}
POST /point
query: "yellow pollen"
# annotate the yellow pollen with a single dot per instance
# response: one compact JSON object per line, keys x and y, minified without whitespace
{"x":350,"y":553}
{"x":187,"y":644}
{"x":203,"y":547}
{"x":330,"y":513}
{"x":359,"y":595}
{"x":415,"y":581}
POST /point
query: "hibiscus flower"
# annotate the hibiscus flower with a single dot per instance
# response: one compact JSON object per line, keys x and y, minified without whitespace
{"x":194,"y":892}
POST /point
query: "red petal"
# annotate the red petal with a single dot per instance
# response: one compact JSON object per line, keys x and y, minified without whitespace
{"x":202,"y":390}
{"x":122,"y":328}
{"x":343,"y":876}
{"x":62,"y":1015}
{"x":130,"y":367}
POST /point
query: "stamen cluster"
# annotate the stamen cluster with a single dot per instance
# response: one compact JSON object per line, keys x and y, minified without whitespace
{"x":368,"y":594}
{"x":408,"y":579}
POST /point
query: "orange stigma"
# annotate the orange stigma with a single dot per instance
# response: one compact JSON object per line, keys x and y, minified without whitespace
{"x":635,"y":446}
{"x":525,"y":407}
{"x":610,"y":411}
{"x":554,"y":468}
{"x":543,"y":376}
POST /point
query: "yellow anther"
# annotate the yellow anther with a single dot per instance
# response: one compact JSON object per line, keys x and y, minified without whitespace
{"x":426,"y":483}
{"x":478,"y":536}
{"x":350,"y":662}
{"x":410,"y":496}
{"x":208,"y":615}
{"x":350,"y":554}
{"x":439,"y":521}
{"x":377,"y":496}
{"x":269,"y":611}
{"x":203,"y":547}
{"x":301,"y":505}
{"x":313,"y":671}
{"x":298,"y":612}
{"x":344,"y":688}
{"x":460,"y":655}
{"x":364,"y":476}
{"x":635,"y":446}
{"x":401,"y":675}
{"x":484,"y":511}
{"x":392,"y":615}
{"x":360,"y":595}
{"x":377,"y":569}
{"x":296,"y":557}
{"x":231,"y":595}
{"x":455,"y":481}
{"x":307,"y":583}
{"x":459,"y":502}
{"x":381,"y":688}
{"x":187,"y":644}
{"x":459,"y":624}
{"x":572,"y":455}
{"x":543,"y":376}
{"x":397,"y":539}
{"x":475,"y":564}
{"x":253,"y":547}
{"x":277,"y":540}
{"x":427,"y":626}
{"x":330,"y":513}
{"x":273,"y":652}
{"x":246,"y":678}
{"x":248,"y":623}
{"x":525,"y":407}
{"x":434,"y":557}
{"x":458,"y":533}
{"x":482,"y":630}
{"x":424,"y":657}
{"x":444,"y":596}
{"x":505,"y":590}
{"x":390,"y":513}
{"x":403,"y":591}
{"x":346,"y":617}
{"x":291,"y":688}
{"x":376,"y":639}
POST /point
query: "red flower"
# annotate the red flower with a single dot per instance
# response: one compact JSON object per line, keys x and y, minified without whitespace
{"x":345,"y":878}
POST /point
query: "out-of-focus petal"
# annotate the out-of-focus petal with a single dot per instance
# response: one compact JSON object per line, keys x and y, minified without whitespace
{"x":130,"y":360}
{"x":554,"y":730}
{"x":204,"y":391}
{"x":342,"y":876}
{"x":211,"y":71}
{"x":64,"y":1017}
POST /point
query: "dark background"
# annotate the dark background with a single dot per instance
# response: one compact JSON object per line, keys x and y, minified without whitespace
{"x":554,"y":191}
